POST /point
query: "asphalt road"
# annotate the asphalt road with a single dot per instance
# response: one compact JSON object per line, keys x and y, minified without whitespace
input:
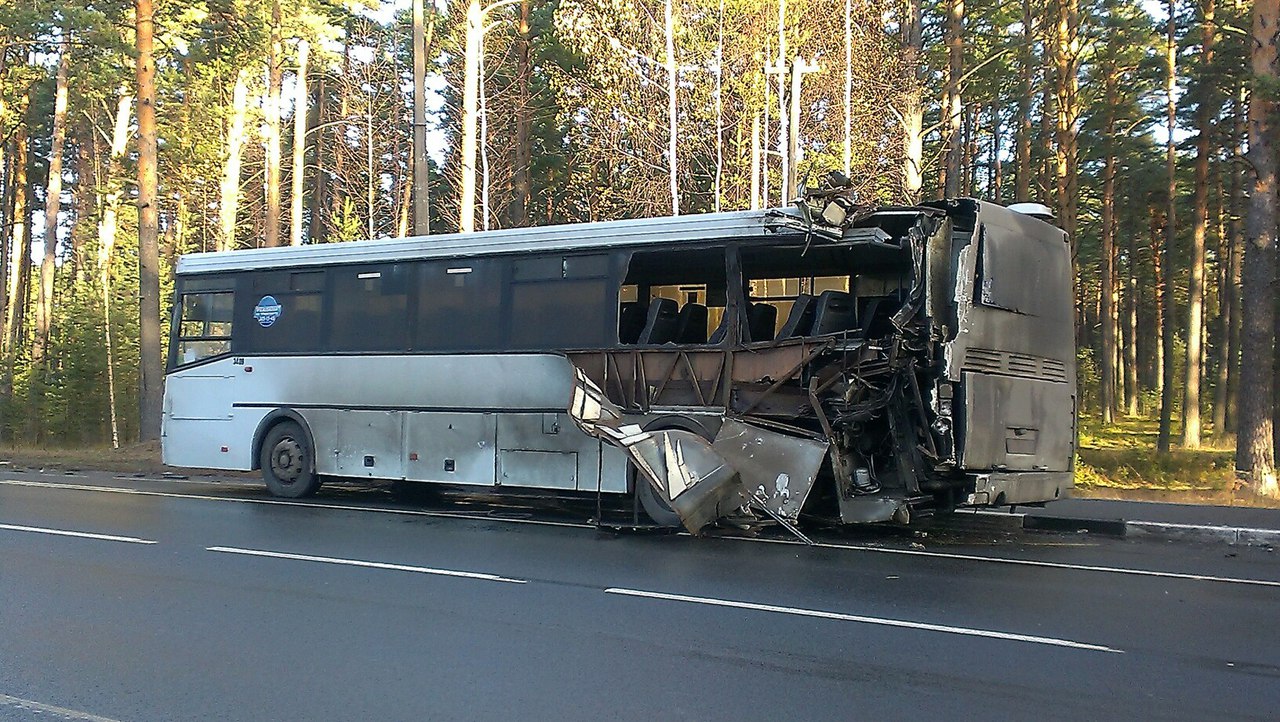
{"x":140,"y":599}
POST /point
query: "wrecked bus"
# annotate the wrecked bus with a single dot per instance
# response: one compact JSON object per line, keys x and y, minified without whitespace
{"x":828,"y":361}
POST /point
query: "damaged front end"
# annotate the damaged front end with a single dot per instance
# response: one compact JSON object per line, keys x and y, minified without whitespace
{"x":865,"y":409}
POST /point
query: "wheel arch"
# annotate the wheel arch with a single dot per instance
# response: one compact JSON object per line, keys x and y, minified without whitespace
{"x":276,"y":416}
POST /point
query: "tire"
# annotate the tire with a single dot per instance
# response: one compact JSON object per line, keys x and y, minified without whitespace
{"x":287,"y":461}
{"x":654,"y":506}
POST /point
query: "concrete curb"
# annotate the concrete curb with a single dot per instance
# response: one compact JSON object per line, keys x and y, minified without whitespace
{"x":1153,"y":530}
{"x":1236,"y":535}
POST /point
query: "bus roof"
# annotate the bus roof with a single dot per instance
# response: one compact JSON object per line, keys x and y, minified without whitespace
{"x":600,"y":235}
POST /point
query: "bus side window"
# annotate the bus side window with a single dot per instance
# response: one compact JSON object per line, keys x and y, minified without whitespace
{"x":560,"y":302}
{"x":370,"y":308}
{"x":459,"y":305}
{"x":204,"y":326}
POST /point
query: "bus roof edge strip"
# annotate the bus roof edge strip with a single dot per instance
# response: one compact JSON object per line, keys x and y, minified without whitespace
{"x":599,"y":235}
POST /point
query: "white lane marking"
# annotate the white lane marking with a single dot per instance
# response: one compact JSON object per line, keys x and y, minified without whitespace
{"x":282,"y":502}
{"x":80,"y":534}
{"x":881,"y":621}
{"x":369,"y":565}
{"x":824,"y":545}
{"x":33,"y":706}
{"x":1026,"y":562}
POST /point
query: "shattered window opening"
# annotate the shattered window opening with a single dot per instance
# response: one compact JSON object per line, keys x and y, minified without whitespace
{"x":673,"y":297}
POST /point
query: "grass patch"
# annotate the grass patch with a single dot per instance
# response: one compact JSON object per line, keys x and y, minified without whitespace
{"x":142,"y":457}
{"x":1119,"y":461}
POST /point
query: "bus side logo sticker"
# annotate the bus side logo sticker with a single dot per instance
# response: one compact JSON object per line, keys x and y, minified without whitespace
{"x":267,"y":311}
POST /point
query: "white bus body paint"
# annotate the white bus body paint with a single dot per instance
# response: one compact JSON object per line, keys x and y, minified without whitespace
{"x":924,"y":626}
{"x":78,"y":534}
{"x":32,"y":706}
{"x":369,"y":565}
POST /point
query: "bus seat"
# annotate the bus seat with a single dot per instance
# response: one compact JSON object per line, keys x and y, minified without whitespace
{"x":662,"y":323}
{"x":874,"y":313}
{"x":835,"y":313}
{"x":762,"y":318}
{"x":800,"y":319}
{"x":630,"y":322}
{"x":722,"y":330}
{"x":692,"y":324}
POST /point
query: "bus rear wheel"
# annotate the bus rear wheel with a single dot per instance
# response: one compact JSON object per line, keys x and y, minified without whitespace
{"x":287,"y":463}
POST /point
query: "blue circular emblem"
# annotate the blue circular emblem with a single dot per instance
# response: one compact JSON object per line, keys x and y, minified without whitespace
{"x":267,"y":311}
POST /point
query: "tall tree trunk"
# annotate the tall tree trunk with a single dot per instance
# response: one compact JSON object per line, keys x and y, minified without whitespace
{"x":338,"y":193}
{"x":755,"y":162}
{"x":470,"y":103}
{"x":1171,"y":234}
{"x":19,"y":229}
{"x":1226,"y":292}
{"x":107,"y":226}
{"x":669,"y":27}
{"x":1026,"y":67}
{"x":1255,"y":452}
{"x":847,"y":150}
{"x":1195,"y":297}
{"x":1046,"y":133}
{"x":418,"y":168}
{"x":87,"y":151}
{"x":718,"y":189}
{"x":317,"y":199}
{"x":52,"y":206}
{"x":912,"y":104}
{"x":271,"y":116}
{"x":7,"y":192}
{"x":151,"y":377}
{"x":229,"y":203}
{"x":1158,"y":280}
{"x":406,"y":200}
{"x":518,"y":215}
{"x":996,"y":187}
{"x":952,"y":108}
{"x":784,"y":127}
{"x":299,"y":145}
{"x":1108,"y":250}
{"x":1235,"y":231}
{"x":1065,"y":54}
{"x":1131,"y":390}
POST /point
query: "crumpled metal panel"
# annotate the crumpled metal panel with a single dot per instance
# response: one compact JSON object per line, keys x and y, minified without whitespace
{"x":777,"y":471}
{"x":701,"y":480}
{"x":687,"y":472}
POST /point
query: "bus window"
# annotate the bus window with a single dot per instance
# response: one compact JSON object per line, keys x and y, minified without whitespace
{"x":205,"y":326}
{"x":561,"y":302}
{"x":673,"y":297}
{"x":459,"y":306}
{"x":370,"y":307}
{"x":282,"y":314}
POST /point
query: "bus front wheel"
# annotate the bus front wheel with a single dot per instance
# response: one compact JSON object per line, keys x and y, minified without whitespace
{"x":287,"y":463}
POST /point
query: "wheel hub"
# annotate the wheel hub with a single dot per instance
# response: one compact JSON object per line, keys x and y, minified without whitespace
{"x":286,"y":460}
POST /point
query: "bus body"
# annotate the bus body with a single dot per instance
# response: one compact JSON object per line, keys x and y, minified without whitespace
{"x":852,"y":363}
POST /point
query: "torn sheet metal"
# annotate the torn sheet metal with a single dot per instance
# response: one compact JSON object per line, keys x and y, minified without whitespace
{"x":777,"y":471}
{"x":688,"y":474}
